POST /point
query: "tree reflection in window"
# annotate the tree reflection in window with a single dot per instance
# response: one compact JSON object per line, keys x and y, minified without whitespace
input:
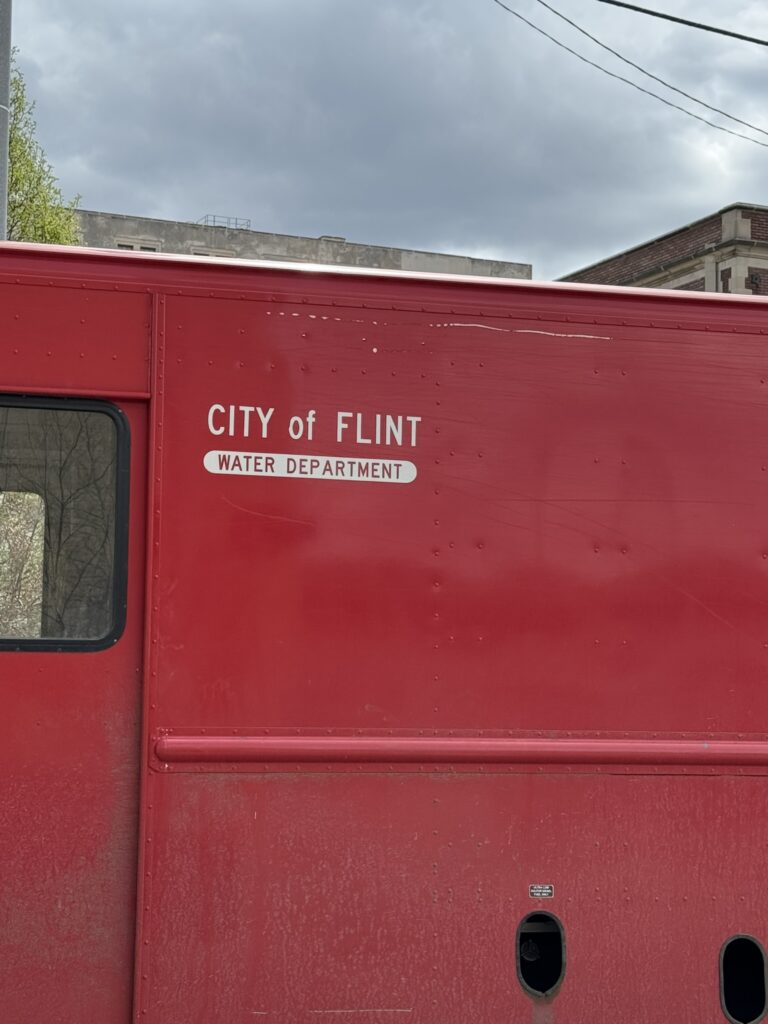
{"x":22,"y":536}
{"x":57,"y":474}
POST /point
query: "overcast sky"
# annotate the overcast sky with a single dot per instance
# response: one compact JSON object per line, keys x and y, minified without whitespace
{"x":446,"y":125}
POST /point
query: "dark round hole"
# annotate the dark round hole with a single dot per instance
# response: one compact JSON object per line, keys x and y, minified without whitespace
{"x":540,"y":954}
{"x":742,"y":980}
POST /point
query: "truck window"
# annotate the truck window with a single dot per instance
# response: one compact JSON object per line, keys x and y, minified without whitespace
{"x":62,"y":523}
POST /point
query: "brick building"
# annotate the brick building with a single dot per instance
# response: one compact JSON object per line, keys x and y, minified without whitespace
{"x":233,"y":237}
{"x":724,"y":252}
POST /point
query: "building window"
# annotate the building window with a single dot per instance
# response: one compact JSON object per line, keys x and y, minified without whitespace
{"x":275,"y":257}
{"x":213,"y":252}
{"x":137,"y":246}
{"x":63,"y":523}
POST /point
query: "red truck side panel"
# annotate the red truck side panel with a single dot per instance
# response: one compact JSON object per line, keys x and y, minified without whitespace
{"x":60,"y":337}
{"x":69,"y":788}
{"x":70,"y":727}
{"x":578,"y":560}
{"x":398,"y":897}
{"x":581,"y":550}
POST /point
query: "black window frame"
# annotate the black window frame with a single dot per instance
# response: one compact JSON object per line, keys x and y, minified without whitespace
{"x":122,"y":499}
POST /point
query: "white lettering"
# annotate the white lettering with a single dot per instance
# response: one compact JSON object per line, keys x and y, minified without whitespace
{"x":341,"y":424}
{"x":211,"y":412}
{"x":360,"y":438}
{"x":413,"y":420}
{"x":265,"y":418}
{"x":369,"y":428}
{"x":246,"y":410}
{"x":394,"y":429}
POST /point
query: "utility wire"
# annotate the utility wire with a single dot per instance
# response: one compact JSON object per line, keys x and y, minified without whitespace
{"x":648,"y":74}
{"x":684,"y":21}
{"x":628,"y":81}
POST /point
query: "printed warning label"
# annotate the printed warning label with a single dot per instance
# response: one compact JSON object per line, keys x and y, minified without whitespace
{"x":310,"y":467}
{"x":541,"y":892}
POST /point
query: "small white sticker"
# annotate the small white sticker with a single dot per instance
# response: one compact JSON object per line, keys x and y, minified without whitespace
{"x":541,"y":892}
{"x":310,"y":467}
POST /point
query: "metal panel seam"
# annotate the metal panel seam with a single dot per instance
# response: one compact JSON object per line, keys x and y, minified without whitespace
{"x":153,"y":456}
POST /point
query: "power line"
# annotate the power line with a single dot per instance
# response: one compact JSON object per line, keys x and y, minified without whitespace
{"x":627,"y":81}
{"x":684,"y":21}
{"x":649,"y":74}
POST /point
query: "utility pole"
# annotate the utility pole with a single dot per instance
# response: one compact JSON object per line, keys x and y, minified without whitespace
{"x":5,"y":117}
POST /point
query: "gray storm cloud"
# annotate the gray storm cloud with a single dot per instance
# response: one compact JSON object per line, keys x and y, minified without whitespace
{"x":440,"y":124}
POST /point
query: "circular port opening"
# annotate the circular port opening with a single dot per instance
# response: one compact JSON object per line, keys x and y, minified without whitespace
{"x":742,"y":980}
{"x":540,"y":954}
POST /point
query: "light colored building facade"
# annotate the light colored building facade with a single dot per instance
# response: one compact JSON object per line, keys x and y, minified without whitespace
{"x":724,"y":252}
{"x":218,"y":236}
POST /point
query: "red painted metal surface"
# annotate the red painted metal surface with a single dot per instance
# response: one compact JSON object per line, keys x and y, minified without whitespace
{"x":453,"y":589}
{"x":337,"y":896}
{"x":57,"y":337}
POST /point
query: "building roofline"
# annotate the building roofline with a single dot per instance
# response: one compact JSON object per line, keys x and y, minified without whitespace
{"x":660,"y":238}
{"x":311,"y":238}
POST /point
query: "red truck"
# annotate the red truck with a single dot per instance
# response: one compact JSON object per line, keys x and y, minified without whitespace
{"x":379,"y":647}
